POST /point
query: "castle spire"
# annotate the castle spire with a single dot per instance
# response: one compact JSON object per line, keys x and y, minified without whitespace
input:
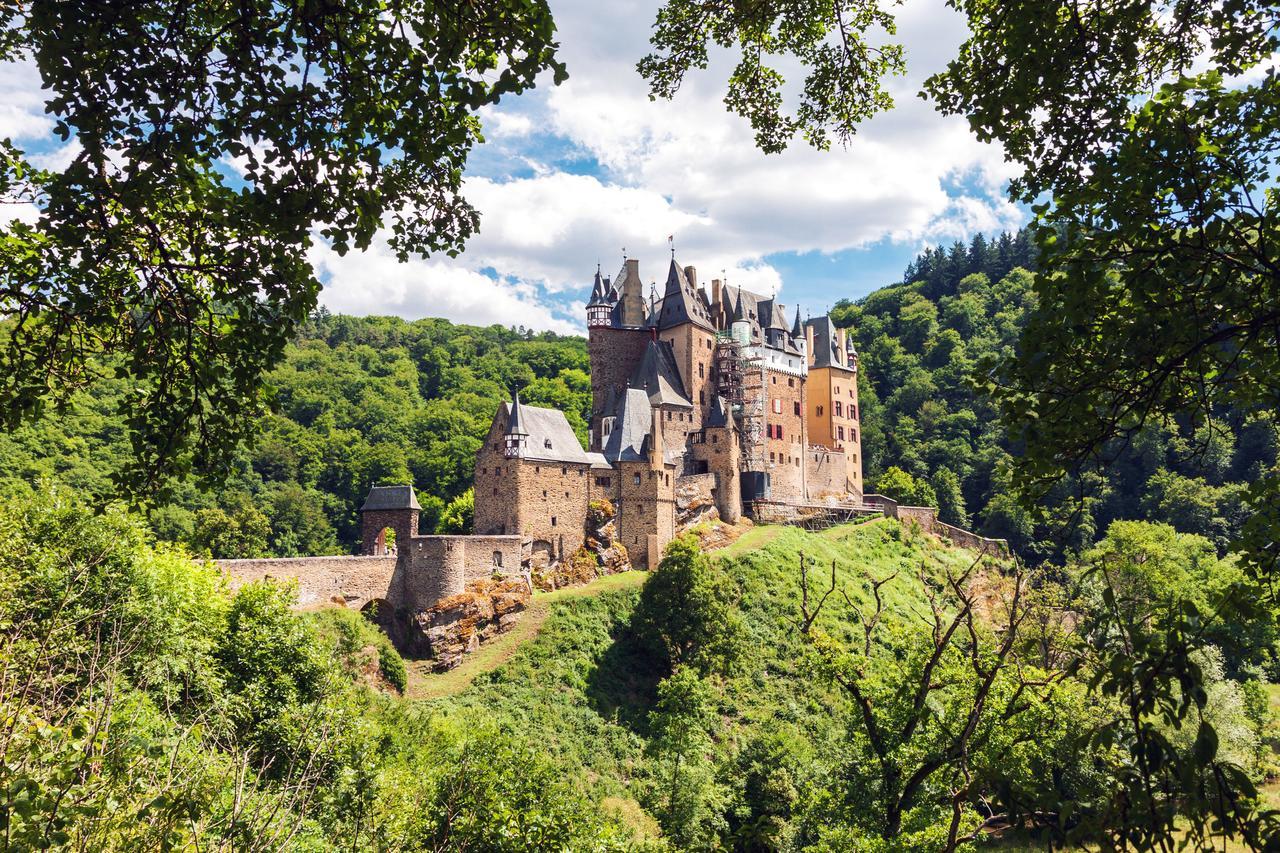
{"x":796,"y":329}
{"x":516,"y":435}
{"x":738,"y":313}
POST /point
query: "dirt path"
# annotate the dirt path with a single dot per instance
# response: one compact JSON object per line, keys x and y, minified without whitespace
{"x":424,"y":684}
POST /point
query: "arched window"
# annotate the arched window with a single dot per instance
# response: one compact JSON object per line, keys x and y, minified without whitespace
{"x":497,"y":559}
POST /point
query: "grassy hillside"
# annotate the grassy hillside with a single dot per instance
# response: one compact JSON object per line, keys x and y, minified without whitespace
{"x":582,"y":689}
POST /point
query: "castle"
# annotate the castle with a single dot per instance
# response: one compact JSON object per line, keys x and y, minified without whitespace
{"x":714,"y":395}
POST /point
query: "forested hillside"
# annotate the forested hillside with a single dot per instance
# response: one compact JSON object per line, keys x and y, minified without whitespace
{"x":363,"y":400}
{"x":358,"y":401}
{"x":929,"y":436}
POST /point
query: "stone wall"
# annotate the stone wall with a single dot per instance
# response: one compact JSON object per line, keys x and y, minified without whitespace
{"x":966,"y":539}
{"x":614,"y":355}
{"x":784,"y":409}
{"x":353,"y":581}
{"x":826,"y":472}
{"x":646,"y":511}
{"x":373,"y":525}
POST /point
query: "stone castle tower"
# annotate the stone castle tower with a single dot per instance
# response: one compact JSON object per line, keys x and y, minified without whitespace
{"x":690,"y":393}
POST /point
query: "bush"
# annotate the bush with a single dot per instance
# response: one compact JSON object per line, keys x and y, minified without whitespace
{"x":348,"y":633}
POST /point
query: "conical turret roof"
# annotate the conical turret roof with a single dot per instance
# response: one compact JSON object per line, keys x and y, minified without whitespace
{"x":797,"y":331}
{"x":513,"y":424}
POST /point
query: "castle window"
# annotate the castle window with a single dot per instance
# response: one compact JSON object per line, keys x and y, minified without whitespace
{"x":715,"y":439}
{"x":484,"y":470}
{"x":840,"y":433}
{"x":668,"y":415}
{"x":775,"y":379}
{"x":637,"y":479}
{"x":603,"y":482}
{"x":497,"y":559}
{"x":837,"y":405}
{"x":797,"y":407}
{"x":819,"y":411}
{"x":702,"y":371}
{"x":777,"y":405}
{"x":702,"y":397}
{"x":837,"y":389}
{"x":563,"y":470}
{"x":771,"y":458}
{"x":566,"y":494}
{"x":495,"y":490}
{"x":544,"y":493}
{"x":553,"y":521}
{"x":791,"y":383}
{"x":797,"y":461}
{"x":855,"y":412}
{"x":546,"y":442}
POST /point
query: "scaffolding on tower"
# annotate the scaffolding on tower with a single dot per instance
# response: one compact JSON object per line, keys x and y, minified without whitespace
{"x":740,"y":379}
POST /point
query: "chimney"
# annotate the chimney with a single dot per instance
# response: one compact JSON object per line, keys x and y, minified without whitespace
{"x":691,"y":274}
{"x":808,"y":342}
{"x":715,"y":296}
{"x":841,"y":345}
{"x":633,"y":268}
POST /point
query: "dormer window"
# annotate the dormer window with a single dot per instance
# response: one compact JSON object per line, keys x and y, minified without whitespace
{"x":546,"y":442}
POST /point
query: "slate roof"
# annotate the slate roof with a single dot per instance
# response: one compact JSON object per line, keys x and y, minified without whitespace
{"x":719,"y":414}
{"x":633,"y":418}
{"x":551,"y":439}
{"x":826,"y":343}
{"x":683,"y":302}
{"x":632,"y":433}
{"x":797,"y":331}
{"x":390,"y":497}
{"x":658,"y":376}
{"x":762,"y":313}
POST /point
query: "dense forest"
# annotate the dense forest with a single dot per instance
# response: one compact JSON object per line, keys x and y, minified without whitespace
{"x":358,"y":401}
{"x":931,"y":436}
{"x":365,"y":400}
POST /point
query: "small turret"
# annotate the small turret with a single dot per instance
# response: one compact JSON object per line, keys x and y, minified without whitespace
{"x":598,"y":309}
{"x":740,"y":328}
{"x":516,"y":437}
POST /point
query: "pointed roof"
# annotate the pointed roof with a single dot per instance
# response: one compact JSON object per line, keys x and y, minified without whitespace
{"x":390,"y":497}
{"x":633,"y":418}
{"x":681,"y":303}
{"x":550,"y":438}
{"x":514,"y":426}
{"x":797,"y":331}
{"x":598,"y":290}
{"x":739,"y":313}
{"x":659,"y":377}
{"x":826,"y":343}
{"x":719,"y":414}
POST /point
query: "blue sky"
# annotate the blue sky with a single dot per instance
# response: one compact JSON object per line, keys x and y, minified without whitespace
{"x":569,"y":176}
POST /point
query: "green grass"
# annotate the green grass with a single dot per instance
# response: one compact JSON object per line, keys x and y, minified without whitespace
{"x":424,"y":684}
{"x":574,"y":683}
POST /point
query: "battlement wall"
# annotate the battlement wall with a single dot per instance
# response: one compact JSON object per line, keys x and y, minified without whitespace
{"x":426,"y":570}
{"x":353,"y":581}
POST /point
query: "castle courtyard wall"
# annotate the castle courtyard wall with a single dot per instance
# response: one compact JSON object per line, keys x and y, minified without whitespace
{"x":353,"y":581}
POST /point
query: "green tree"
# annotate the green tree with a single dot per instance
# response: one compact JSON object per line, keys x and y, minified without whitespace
{"x":459,"y":515}
{"x":148,"y":262}
{"x":237,"y":532}
{"x":685,"y":796}
{"x":685,"y":614}
{"x":905,"y":489}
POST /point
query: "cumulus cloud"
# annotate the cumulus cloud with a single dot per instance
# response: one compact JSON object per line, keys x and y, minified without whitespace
{"x":572,"y":176}
{"x":375,"y":282}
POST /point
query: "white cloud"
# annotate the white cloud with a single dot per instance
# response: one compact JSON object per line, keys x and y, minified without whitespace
{"x":22,"y":115}
{"x":685,"y":167}
{"x":375,"y":282}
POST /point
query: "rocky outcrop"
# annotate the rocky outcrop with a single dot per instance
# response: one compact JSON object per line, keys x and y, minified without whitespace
{"x":459,"y":624}
{"x":601,"y":554}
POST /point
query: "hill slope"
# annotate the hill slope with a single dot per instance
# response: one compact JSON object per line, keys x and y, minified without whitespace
{"x":583,"y":688}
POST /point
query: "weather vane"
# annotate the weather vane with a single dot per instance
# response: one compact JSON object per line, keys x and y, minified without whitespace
{"x":671,"y":238}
